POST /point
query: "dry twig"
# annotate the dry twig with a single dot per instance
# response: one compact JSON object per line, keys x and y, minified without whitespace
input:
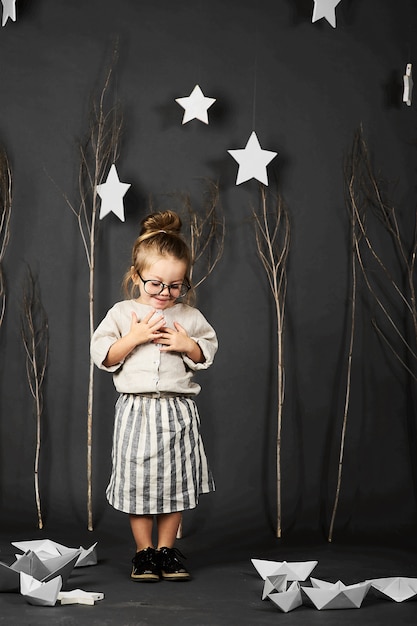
{"x":206,"y":238}
{"x":403,"y":289}
{"x":207,"y":231}
{"x":351,"y":201}
{"x":99,"y":151}
{"x":395,"y":297}
{"x":5,"y":214}
{"x":35,"y":337}
{"x":272,"y":231}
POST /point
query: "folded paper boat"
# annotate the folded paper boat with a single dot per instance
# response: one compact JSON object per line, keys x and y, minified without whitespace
{"x":46,"y":548}
{"x":88,"y":556}
{"x":43,"y":571}
{"x":43,"y":548}
{"x":40,"y":593}
{"x":273,"y":584}
{"x":325,"y":595}
{"x":288,"y":600}
{"x":397,"y":588}
{"x":28,"y":564}
{"x":9,"y":578}
{"x":293,"y":570}
{"x":46,"y":570}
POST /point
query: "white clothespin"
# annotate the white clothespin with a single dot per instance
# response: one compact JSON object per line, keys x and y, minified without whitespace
{"x":408,"y":84}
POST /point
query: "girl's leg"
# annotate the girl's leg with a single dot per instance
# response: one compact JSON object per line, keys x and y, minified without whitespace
{"x":171,"y":567}
{"x":168,"y":524}
{"x":141,"y":526}
{"x":145,"y":568}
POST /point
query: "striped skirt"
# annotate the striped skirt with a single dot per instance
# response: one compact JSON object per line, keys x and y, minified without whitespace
{"x":158,"y":459}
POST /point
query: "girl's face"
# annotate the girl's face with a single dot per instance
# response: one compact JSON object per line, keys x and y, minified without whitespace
{"x":165,"y":269}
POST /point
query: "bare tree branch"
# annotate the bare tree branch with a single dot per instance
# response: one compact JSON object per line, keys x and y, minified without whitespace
{"x":350,"y":175}
{"x":272,"y":234}
{"x":206,"y":233}
{"x":405,"y":290}
{"x":97,"y":153}
{"x":5,"y":214}
{"x":392,"y":349}
{"x":35,"y":338}
{"x":395,"y":297}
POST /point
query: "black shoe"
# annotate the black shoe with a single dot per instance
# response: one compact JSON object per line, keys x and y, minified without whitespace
{"x":145,"y":567}
{"x":170,"y":566}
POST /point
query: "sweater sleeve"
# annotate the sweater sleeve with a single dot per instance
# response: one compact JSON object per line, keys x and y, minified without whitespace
{"x":205,"y":336}
{"x":106,"y":333}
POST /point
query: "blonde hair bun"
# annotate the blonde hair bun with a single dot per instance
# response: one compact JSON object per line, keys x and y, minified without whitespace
{"x":163,"y":221}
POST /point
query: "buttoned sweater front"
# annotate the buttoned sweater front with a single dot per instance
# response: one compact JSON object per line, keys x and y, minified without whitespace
{"x":146,"y":369}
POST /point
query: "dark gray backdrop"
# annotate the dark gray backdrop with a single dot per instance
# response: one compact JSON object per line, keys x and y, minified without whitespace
{"x":305,"y":88}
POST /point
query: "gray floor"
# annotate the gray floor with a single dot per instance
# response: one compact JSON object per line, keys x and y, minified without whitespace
{"x":225,"y":589}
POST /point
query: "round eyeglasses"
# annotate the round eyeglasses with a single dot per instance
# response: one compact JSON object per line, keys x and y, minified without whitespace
{"x":155,"y":287}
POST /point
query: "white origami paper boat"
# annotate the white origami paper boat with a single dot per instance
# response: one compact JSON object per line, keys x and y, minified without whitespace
{"x":40,"y":593}
{"x":9,"y":578}
{"x":293,"y":570}
{"x":46,"y":548}
{"x":88,"y":556}
{"x":288,"y":600}
{"x":43,"y":548}
{"x":397,"y":588}
{"x":78,"y":596}
{"x":325,"y":595}
{"x":29,"y":563}
{"x":273,"y":584}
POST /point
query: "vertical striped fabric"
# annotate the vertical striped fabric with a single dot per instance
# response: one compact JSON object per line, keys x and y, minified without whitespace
{"x":159,"y":462}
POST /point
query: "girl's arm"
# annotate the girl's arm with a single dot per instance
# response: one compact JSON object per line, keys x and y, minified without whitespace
{"x":196,"y":353}
{"x":141,"y":331}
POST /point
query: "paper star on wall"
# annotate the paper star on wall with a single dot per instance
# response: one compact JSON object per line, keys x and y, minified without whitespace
{"x":252,"y":161}
{"x":326,"y":9}
{"x":408,"y":84}
{"x":9,"y":10}
{"x":196,"y":106}
{"x":111,"y":193}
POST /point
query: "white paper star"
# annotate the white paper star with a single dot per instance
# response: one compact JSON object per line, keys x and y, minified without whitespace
{"x":78,"y":596}
{"x":252,"y":161}
{"x":111,"y":193}
{"x":9,"y":10}
{"x":408,"y":84}
{"x":326,"y":9}
{"x":196,"y":106}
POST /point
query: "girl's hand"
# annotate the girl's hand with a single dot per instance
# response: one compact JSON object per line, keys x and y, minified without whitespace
{"x":177,"y":340}
{"x":143,"y":331}
{"x":147,"y":329}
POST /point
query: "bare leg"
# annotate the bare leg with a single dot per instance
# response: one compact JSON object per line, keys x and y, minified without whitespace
{"x":168,"y":524}
{"x":141,"y":526}
{"x":171,"y":567}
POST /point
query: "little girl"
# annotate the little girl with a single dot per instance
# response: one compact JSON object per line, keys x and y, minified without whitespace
{"x":152,"y":344}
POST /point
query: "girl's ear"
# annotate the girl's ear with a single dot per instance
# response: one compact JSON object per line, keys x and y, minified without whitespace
{"x":134,"y":275}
